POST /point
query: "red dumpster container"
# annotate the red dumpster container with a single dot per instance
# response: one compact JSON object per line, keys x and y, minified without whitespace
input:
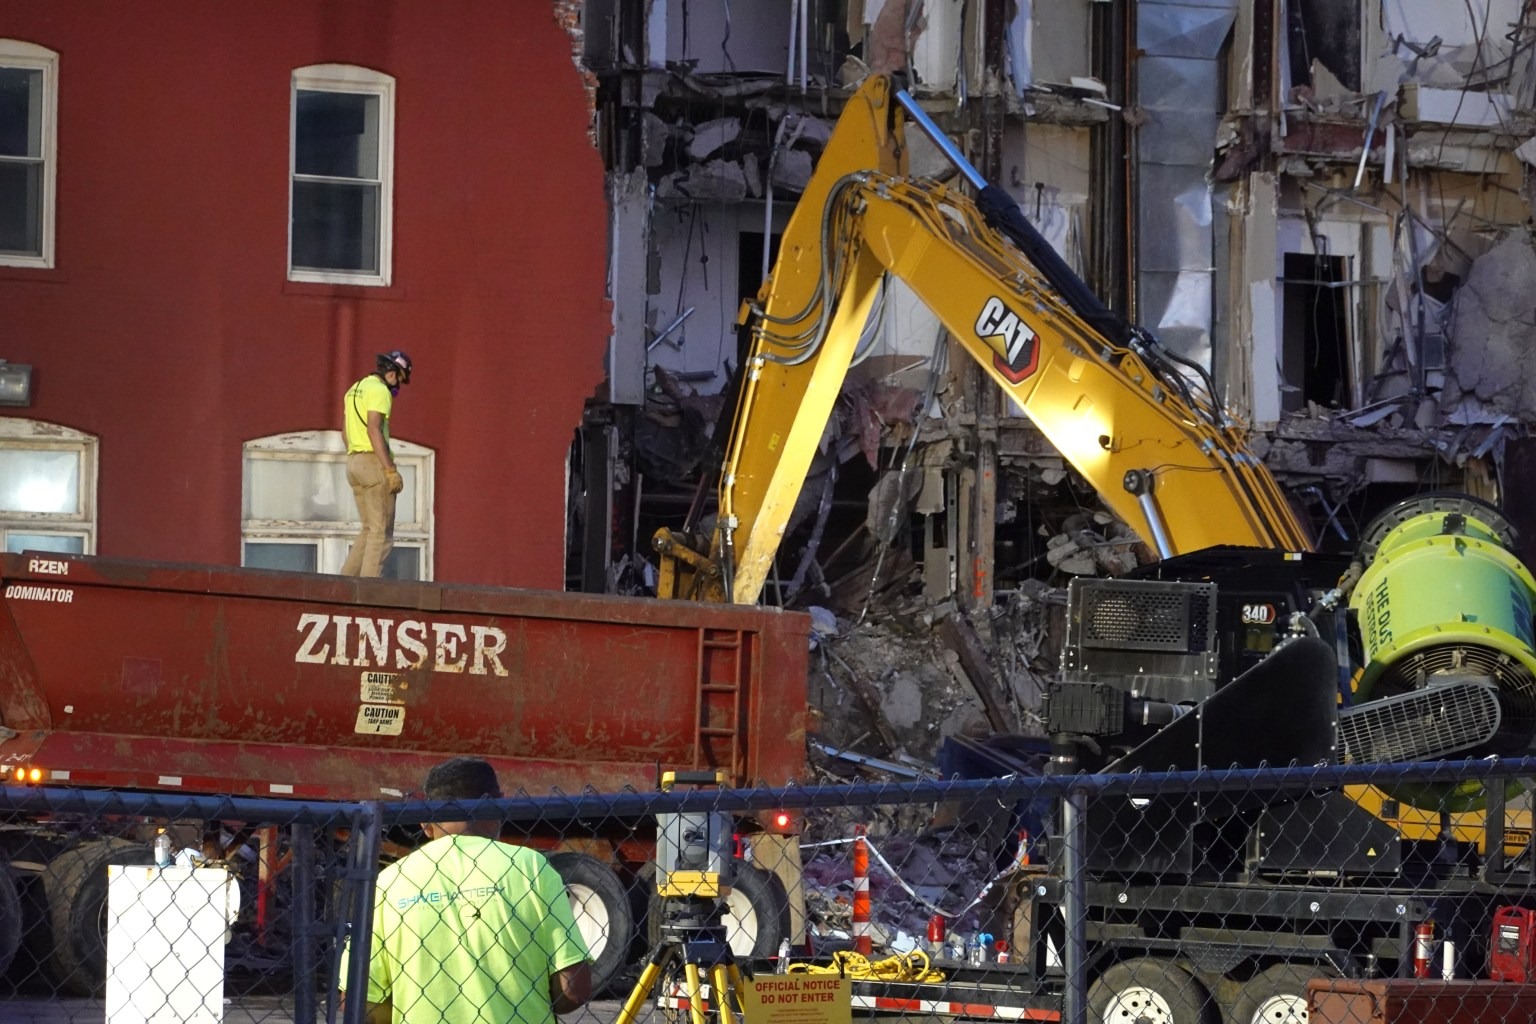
{"x":1416,"y":1001}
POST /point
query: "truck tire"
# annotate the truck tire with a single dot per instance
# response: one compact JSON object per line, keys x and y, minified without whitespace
{"x":602,"y":912}
{"x":1277,"y":995}
{"x":756,"y":913}
{"x":75,"y":886}
{"x":1148,"y":990}
{"x":10,"y":919}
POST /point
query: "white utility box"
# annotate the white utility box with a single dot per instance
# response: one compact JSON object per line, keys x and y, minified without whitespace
{"x":166,"y":930}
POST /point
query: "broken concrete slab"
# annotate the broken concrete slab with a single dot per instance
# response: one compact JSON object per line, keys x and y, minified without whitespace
{"x":716,"y":181}
{"x":791,"y":169}
{"x":712,"y":136}
{"x":1491,"y":341}
{"x":960,"y":636}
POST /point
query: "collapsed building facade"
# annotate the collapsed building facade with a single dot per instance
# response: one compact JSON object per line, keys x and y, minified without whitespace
{"x":1325,"y":205}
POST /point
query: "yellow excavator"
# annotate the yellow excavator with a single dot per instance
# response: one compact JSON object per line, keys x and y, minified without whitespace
{"x":1142,"y":425}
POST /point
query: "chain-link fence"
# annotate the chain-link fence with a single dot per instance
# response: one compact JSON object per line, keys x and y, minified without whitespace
{"x":1239,"y":897}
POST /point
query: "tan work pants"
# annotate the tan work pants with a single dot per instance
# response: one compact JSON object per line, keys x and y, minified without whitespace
{"x":376,"y":508}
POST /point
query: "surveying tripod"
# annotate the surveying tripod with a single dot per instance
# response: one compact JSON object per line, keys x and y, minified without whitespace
{"x":693,"y":937}
{"x":692,"y":871}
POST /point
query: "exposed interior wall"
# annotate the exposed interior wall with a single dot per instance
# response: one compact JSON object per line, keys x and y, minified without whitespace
{"x":629,"y":266}
{"x":1253,"y":371}
{"x":719,"y":36}
{"x":938,"y":45}
{"x":703,"y":254}
{"x":1059,"y":33}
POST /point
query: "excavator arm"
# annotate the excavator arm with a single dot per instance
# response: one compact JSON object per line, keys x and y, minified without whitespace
{"x":1153,"y":440}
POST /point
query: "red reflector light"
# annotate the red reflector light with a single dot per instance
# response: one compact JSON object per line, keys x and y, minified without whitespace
{"x":780,"y":822}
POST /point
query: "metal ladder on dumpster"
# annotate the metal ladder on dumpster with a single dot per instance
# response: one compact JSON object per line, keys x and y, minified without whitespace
{"x":719,"y":714}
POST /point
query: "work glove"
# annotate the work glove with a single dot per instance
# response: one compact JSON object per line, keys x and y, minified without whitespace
{"x":395,"y":480}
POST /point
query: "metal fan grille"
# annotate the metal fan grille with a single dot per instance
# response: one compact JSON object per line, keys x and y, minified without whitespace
{"x":1516,"y":687}
{"x":1443,"y":719}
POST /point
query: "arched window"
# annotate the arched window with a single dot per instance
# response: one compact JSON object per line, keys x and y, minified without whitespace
{"x":47,"y":487}
{"x":299,"y":513}
{"x":341,"y":160}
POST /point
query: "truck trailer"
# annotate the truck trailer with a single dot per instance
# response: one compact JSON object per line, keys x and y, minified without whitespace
{"x":209,"y":680}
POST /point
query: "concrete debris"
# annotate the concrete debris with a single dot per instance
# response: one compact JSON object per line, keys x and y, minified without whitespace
{"x":961,"y":638}
{"x":906,"y":677}
{"x":673,"y":431}
{"x":754,"y":174}
{"x":712,"y":136}
{"x":890,"y":503}
{"x":654,"y":135}
{"x":806,"y":129}
{"x":1491,"y":339}
{"x":1322,"y":449}
{"x":823,"y":622}
{"x":791,"y":169}
{"x":1111,"y":549}
{"x":684,"y":83}
{"x":715,"y":181}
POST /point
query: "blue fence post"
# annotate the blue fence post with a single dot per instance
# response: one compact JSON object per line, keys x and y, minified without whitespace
{"x":1074,"y":904}
{"x":302,"y":846}
{"x":365,"y":873}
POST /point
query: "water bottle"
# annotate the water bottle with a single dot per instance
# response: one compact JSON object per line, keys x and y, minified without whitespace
{"x":163,"y":856}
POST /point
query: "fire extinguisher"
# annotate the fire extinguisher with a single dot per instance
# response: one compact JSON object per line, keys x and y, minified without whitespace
{"x":1423,"y":948}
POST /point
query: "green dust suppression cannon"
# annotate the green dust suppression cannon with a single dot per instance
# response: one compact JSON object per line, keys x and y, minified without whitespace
{"x":1444,"y":611}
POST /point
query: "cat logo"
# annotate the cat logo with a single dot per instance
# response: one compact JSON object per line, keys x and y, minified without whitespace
{"x":1016,"y":348}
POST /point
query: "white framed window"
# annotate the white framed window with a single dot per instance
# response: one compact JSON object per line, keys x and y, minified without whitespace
{"x":299,"y":513}
{"x":29,"y":98}
{"x":47,"y":487}
{"x":341,"y":161}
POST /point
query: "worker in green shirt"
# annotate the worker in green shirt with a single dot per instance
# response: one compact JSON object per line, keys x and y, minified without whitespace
{"x":469,"y":930}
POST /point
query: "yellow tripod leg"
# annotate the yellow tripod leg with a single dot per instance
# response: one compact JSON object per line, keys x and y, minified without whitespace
{"x":719,"y":977}
{"x":642,"y":990}
{"x":695,"y":993}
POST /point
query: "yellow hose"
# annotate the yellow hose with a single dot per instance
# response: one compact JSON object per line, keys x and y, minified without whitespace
{"x":913,"y":966}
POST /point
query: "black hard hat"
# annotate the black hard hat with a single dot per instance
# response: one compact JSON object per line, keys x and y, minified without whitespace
{"x":398,"y":361}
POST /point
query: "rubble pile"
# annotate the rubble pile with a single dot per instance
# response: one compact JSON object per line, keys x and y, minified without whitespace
{"x":897,"y":683}
{"x":886,"y":690}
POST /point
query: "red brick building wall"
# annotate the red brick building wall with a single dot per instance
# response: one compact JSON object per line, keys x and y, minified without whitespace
{"x":168,"y":326}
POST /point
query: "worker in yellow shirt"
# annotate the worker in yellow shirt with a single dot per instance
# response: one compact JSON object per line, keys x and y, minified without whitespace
{"x":370,"y":466}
